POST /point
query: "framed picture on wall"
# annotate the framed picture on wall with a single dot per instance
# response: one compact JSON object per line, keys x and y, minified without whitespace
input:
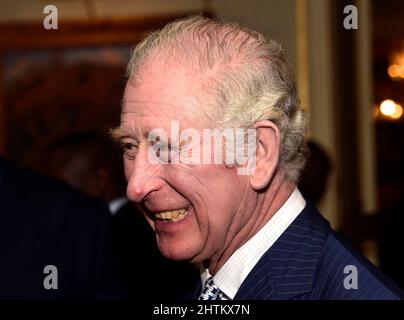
{"x":57,"y":82}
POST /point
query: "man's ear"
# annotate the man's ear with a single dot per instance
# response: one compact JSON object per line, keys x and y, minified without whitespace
{"x":267,"y":153}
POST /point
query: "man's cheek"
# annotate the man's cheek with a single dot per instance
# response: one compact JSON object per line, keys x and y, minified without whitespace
{"x":127,"y":169}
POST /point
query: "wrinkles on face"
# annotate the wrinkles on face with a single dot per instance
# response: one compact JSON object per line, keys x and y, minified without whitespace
{"x":212,"y":192}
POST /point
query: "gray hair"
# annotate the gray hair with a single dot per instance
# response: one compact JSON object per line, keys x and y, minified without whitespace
{"x":245,"y":75}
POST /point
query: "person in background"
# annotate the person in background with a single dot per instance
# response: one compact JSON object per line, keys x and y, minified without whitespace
{"x":92,"y":163}
{"x":314,"y":176}
{"x":55,"y":242}
{"x":391,"y":239}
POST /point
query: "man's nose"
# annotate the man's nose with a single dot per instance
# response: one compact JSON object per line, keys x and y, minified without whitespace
{"x":143,"y":177}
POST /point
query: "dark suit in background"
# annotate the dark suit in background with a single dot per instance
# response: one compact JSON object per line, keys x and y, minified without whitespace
{"x":147,"y":273}
{"x":392,"y":238}
{"x":44,"y":222}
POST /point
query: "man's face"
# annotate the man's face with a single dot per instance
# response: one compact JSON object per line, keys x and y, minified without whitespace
{"x":193,"y":208}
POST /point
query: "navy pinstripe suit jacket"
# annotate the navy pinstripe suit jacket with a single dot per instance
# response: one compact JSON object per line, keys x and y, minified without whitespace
{"x":307,"y":262}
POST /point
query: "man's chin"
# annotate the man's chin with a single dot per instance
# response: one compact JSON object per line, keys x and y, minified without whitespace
{"x":177,"y":252}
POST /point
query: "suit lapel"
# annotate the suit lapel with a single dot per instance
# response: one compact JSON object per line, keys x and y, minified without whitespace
{"x":194,"y":291}
{"x":288,"y":268}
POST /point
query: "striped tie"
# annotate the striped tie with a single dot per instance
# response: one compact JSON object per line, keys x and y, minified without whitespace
{"x":210,"y":291}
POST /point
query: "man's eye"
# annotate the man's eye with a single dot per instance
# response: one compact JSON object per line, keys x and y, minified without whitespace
{"x":129,"y":150}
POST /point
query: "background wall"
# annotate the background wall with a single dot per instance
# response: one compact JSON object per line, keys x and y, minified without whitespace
{"x":303,"y":27}
{"x":23,"y":10}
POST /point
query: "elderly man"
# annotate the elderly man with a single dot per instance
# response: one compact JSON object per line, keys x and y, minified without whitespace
{"x":235,"y":213}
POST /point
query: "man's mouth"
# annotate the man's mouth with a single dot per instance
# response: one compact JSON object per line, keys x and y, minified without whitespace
{"x":172,"y":215}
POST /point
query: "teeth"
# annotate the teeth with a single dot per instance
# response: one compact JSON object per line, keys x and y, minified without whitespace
{"x":174,"y":215}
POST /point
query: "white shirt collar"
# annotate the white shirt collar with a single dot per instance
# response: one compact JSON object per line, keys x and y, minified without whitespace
{"x":230,"y":277}
{"x":117,"y":204}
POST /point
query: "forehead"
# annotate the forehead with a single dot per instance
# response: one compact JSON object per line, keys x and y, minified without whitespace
{"x":162,"y":94}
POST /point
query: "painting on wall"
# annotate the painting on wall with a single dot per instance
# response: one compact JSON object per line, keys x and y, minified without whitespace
{"x":52,"y":93}
{"x":60,"y":82}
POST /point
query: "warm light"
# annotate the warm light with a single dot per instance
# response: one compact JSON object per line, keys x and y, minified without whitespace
{"x":396,"y":67}
{"x":394,"y":71}
{"x":388,"y":107}
{"x":398,"y":112}
{"x":389,"y":110}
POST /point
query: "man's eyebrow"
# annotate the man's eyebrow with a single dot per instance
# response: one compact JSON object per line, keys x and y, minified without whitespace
{"x":119,"y":133}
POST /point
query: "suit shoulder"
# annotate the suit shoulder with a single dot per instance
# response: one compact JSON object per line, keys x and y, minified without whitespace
{"x":28,"y":192}
{"x":343,"y":273}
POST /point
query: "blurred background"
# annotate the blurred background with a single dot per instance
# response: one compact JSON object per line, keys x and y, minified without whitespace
{"x":56,"y":83}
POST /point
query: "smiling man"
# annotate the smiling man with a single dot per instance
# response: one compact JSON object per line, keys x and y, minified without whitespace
{"x":253,"y":235}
